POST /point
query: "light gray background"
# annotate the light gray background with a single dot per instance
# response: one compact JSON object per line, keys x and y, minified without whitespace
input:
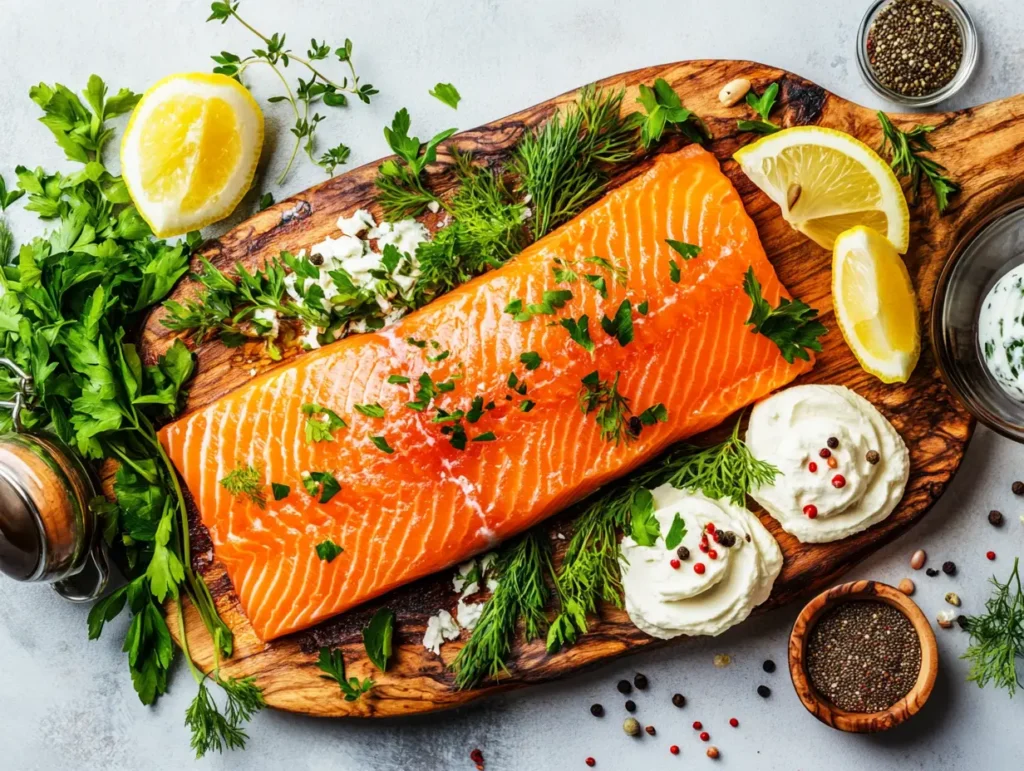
{"x":66,"y":703}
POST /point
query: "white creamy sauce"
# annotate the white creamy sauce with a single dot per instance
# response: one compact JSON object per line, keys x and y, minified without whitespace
{"x":1001,"y":332}
{"x":466,"y":582}
{"x":791,"y":429}
{"x":440,"y":628}
{"x":667,"y":601}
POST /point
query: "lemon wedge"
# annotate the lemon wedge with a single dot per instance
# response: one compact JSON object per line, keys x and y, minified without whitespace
{"x":825,"y":182}
{"x":875,"y":304}
{"x":190,"y":151}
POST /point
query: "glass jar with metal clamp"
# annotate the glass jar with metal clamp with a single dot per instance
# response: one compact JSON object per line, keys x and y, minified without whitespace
{"x":48,"y":532}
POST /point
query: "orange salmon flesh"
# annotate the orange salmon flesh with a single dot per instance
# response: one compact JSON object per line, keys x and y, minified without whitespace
{"x":429,"y":505}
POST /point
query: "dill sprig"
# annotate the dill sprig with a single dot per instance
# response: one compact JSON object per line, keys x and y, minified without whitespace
{"x":247,"y":481}
{"x":905,"y":148}
{"x":563,"y":165}
{"x":213,"y":730}
{"x":997,"y":636}
{"x":521,"y":594}
{"x":611,"y":409}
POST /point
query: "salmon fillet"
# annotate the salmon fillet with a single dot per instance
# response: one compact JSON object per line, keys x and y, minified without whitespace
{"x":429,"y":505}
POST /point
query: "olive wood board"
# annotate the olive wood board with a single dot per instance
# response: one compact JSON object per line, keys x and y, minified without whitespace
{"x":983,"y":148}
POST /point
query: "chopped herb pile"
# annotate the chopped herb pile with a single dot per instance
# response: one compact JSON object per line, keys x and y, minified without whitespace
{"x":664,"y":108}
{"x":792,"y":325}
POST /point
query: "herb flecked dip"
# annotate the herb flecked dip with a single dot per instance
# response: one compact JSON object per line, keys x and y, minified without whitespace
{"x":863,"y":656}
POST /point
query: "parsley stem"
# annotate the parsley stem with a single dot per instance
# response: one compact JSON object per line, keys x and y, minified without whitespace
{"x":196,"y":674}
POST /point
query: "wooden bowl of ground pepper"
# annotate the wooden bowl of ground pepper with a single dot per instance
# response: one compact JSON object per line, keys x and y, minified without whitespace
{"x":863,"y":657}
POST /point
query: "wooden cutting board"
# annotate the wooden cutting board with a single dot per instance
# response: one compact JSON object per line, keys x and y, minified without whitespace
{"x":983,"y":148}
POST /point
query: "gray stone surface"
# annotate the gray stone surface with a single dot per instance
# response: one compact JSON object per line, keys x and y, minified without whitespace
{"x":66,"y":703}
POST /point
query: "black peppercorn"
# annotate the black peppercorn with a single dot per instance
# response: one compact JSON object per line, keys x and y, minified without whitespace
{"x":597,"y":710}
{"x":1018,"y":488}
{"x":640,"y":681}
{"x":832,"y":442}
{"x":768,"y":666}
{"x":679,"y":700}
{"x":873,"y":457}
{"x":683,"y":553}
{"x":316,"y":259}
{"x":630,"y":705}
{"x":726,"y":538}
{"x":995,"y":518}
{"x":764,"y":691}
{"x":949,"y":568}
{"x":932,"y":572}
{"x":624,"y":686}
{"x":635,"y":425}
{"x":962,"y":621}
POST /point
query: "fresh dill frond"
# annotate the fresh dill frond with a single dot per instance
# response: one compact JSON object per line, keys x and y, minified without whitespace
{"x":213,"y":730}
{"x":521,"y":594}
{"x":492,"y":223}
{"x":611,"y":409}
{"x":997,"y":636}
{"x":6,"y":242}
{"x":904,"y":149}
{"x":247,"y":481}
{"x":563,"y":165}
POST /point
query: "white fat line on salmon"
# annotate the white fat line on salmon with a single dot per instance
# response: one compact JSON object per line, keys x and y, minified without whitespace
{"x":469,"y":491}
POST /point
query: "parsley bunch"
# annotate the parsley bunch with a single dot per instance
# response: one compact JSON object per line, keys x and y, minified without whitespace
{"x":318,"y":89}
{"x":69,"y":301}
{"x":792,"y":326}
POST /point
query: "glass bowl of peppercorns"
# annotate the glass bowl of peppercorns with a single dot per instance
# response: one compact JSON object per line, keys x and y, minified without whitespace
{"x":917,"y":53}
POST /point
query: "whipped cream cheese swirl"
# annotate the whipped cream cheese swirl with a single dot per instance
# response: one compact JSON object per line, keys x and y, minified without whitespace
{"x":843,"y":466}
{"x":724,"y":567}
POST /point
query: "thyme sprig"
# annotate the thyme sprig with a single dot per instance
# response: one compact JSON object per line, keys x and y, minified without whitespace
{"x":904,"y":149}
{"x":319,"y":88}
{"x":997,"y":636}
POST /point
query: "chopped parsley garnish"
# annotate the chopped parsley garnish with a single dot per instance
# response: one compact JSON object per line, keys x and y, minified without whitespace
{"x":621,"y":325}
{"x":333,"y":664}
{"x":328,"y":551}
{"x":280,"y":491}
{"x":321,"y":483}
{"x":654,"y":414}
{"x":531,"y":360}
{"x":517,"y":385}
{"x":644,"y":526}
{"x":676,"y":533}
{"x":425,"y":392}
{"x":685,"y":250}
{"x":456,"y":436}
{"x":579,"y":331}
{"x":439,"y":357}
{"x":370,"y":410}
{"x":246,"y":481}
{"x":447,"y":93}
{"x":642,"y":308}
{"x":762,"y":105}
{"x":487,"y":436}
{"x":526,"y":405}
{"x":610,"y":408}
{"x":417,"y":343}
{"x":397,"y":379}
{"x":551,"y":300}
{"x":321,"y":429}
{"x":664,"y":108}
{"x":567,"y":273}
{"x":673,"y":271}
{"x":377,"y":638}
{"x":792,"y":326}
{"x":381,"y":444}
{"x":476,"y":410}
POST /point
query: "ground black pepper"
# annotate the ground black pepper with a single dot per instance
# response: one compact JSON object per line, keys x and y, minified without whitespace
{"x":915,"y":46}
{"x":863,"y":656}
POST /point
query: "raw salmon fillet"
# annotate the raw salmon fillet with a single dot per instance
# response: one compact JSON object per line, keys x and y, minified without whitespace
{"x":429,"y":505}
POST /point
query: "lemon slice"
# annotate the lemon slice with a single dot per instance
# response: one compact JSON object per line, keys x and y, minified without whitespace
{"x":825,"y":182}
{"x":190,"y":151}
{"x":875,"y":304}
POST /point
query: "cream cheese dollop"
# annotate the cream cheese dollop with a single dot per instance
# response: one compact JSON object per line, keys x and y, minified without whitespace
{"x":791,"y":430}
{"x":667,"y":601}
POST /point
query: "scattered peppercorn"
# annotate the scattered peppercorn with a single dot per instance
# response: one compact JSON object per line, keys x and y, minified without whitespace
{"x":699,"y":568}
{"x":697,"y":725}
{"x":839,"y":481}
{"x":640,"y":681}
{"x":650,"y":730}
{"x":914,"y":46}
{"x":918,"y":558}
{"x":832,"y":442}
{"x":597,"y":710}
{"x":764,"y":691}
{"x":931,"y":572}
{"x":833,"y":463}
{"x":631,"y":726}
{"x":953,"y":598}
{"x":591,"y":762}
{"x":991,"y":555}
{"x":624,"y":686}
{"x":630,"y":705}
{"x":768,"y":666}
{"x":825,"y":452}
{"x":722,"y":660}
{"x":704,"y":736}
{"x":734,"y":722}
{"x":811,"y":511}
{"x":683,"y":553}
{"x":713,"y":753}
{"x":477,"y":757}
{"x":962,"y":621}
{"x":949,"y":568}
{"x":812,"y":467}
{"x":1018,"y":488}
{"x":873,"y":457}
{"x":679,"y":700}
{"x":995,"y":518}
{"x":674,"y":749}
{"x":317,"y":259}
{"x":727,"y":538}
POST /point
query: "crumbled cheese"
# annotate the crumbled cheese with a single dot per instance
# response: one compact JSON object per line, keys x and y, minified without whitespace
{"x":469,"y":613}
{"x":404,"y":235}
{"x":269,"y":315}
{"x":357,"y":223}
{"x":434,"y":207}
{"x":488,"y":560}
{"x":460,"y":583}
{"x":440,"y":628}
{"x":252,"y":372}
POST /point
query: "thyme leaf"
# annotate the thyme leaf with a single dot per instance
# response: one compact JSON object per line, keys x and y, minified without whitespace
{"x":904,"y":149}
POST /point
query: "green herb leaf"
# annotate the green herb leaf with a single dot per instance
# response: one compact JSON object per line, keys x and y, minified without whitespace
{"x":321,"y":483}
{"x":332,"y":664}
{"x":381,"y":444}
{"x":664,"y":108}
{"x":904,"y":149}
{"x":579,"y":331}
{"x":487,"y":436}
{"x":370,"y":410}
{"x":321,"y":423}
{"x":685,"y":250}
{"x":531,"y":360}
{"x":610,"y":408}
{"x":791,"y":325}
{"x":447,"y":93}
{"x":673,"y":271}
{"x":328,"y":550}
{"x":997,"y":636}
{"x":621,"y":325}
{"x":676,"y":533}
{"x":246,"y":481}
{"x":644,"y":526}
{"x":377,"y":638}
{"x":397,"y":379}
{"x":280,"y":491}
{"x":526,"y":405}
{"x":763,"y":106}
